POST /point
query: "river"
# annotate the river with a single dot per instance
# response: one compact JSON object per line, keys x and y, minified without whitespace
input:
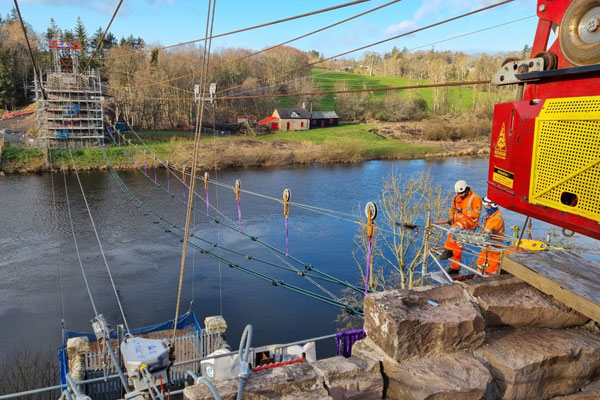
{"x":39,"y":260}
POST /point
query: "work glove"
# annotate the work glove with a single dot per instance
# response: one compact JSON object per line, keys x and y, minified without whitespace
{"x":450,"y":221}
{"x":454,"y":230}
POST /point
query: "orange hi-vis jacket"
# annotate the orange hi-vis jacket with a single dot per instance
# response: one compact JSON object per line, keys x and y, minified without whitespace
{"x":489,"y":260}
{"x":494,"y":224}
{"x":465,"y":212}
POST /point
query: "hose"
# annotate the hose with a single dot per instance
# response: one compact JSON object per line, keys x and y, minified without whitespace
{"x":243,"y":355}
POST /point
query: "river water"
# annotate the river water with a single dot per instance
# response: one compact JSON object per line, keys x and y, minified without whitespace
{"x":41,"y":279}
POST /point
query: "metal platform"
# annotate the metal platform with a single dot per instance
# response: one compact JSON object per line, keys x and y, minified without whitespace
{"x":569,"y":278}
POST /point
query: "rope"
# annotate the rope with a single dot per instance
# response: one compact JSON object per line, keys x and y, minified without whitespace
{"x":199,"y":115}
{"x":102,"y":37}
{"x":217,"y":199}
{"x":87,"y":206}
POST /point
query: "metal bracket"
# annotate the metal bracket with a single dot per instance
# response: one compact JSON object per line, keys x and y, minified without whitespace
{"x":507,"y":74}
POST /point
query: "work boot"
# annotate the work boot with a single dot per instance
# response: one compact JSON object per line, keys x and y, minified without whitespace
{"x":452,"y":271}
{"x":446,"y":254}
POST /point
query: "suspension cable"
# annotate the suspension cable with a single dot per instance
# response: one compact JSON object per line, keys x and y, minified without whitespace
{"x":87,"y":206}
{"x":267,"y":48}
{"x":36,"y":72}
{"x":381,"y":89}
{"x":259,"y":26}
{"x":199,"y":116}
{"x":102,"y":37}
{"x":55,"y":212}
{"x":275,"y":282}
{"x":383,"y":41}
{"x":277,"y":252}
{"x":77,"y":246}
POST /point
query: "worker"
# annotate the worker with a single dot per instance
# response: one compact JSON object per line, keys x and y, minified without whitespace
{"x":493,"y":225}
{"x":464,"y":215}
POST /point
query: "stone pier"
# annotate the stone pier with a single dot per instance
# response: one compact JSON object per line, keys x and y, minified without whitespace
{"x":497,"y":338}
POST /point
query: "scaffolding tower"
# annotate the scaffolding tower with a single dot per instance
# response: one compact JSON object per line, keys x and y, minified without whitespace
{"x":71,"y":112}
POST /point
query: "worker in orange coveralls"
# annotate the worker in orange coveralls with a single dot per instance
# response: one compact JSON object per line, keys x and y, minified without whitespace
{"x":488,"y":260}
{"x":464,"y":214}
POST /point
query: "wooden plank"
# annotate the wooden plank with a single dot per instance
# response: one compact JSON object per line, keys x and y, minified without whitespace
{"x":569,"y":278}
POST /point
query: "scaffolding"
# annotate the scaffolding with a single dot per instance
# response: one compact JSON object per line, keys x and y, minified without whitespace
{"x":71,"y":112}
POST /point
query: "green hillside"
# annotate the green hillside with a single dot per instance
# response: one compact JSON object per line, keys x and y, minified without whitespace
{"x":327,"y":80}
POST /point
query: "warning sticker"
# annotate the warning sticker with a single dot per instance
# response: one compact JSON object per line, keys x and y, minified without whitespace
{"x":500,"y":148}
{"x":503,"y":177}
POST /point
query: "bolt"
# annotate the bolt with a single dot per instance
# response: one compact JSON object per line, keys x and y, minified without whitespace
{"x":542,"y":7}
{"x":593,"y":24}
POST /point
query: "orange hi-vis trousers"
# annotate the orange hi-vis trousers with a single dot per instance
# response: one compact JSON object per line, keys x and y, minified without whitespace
{"x":452,"y":245}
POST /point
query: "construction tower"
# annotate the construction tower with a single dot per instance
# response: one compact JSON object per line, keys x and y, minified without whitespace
{"x":70,"y":111}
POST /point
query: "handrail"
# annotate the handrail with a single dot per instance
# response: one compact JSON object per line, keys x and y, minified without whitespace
{"x":114,"y":376}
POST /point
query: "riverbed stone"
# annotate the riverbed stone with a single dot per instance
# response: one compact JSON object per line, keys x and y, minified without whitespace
{"x":408,"y":323}
{"x":507,"y":300}
{"x":294,"y":381}
{"x":351,"y":378}
{"x":541,"y":364}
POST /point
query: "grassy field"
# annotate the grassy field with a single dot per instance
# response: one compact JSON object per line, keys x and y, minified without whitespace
{"x":327,"y":80}
{"x":354,"y":138}
{"x":345,"y":143}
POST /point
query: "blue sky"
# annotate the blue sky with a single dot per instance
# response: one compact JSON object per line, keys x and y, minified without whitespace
{"x":167,"y":22}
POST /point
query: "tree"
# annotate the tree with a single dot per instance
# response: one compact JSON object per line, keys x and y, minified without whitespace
{"x":82,"y":36}
{"x":53,"y":32}
{"x":397,"y":260}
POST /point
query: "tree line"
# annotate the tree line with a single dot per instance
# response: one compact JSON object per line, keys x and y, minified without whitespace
{"x":144,"y":87}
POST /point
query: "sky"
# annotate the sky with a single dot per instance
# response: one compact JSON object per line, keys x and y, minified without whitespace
{"x":167,"y":22}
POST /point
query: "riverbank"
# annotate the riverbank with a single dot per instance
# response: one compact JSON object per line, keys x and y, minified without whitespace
{"x":347,"y":143}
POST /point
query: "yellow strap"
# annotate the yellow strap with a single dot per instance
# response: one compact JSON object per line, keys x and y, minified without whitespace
{"x":535,"y":245}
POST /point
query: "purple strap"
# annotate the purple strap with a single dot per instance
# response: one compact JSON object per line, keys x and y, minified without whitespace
{"x":344,"y":341}
{"x":287,"y":243}
{"x":239,"y":215}
{"x":368,"y":268}
{"x":168,"y":180}
{"x":207,"y":203}
{"x":155,"y":176}
{"x":145,"y":167}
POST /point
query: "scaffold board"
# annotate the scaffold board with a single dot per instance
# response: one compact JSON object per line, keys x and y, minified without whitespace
{"x":570,"y":278}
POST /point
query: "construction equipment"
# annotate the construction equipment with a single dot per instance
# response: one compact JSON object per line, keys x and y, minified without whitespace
{"x":545,"y":147}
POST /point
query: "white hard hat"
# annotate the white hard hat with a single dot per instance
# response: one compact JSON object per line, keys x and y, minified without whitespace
{"x":460,"y":186}
{"x":489,"y":203}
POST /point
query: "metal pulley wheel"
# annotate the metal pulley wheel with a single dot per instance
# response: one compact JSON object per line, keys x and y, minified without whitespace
{"x":579,"y":32}
{"x":238,"y":184}
{"x":372,"y":209}
{"x":550,"y":60}
{"x":287,"y":195}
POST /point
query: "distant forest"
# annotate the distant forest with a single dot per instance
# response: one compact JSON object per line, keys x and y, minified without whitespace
{"x":150,"y":87}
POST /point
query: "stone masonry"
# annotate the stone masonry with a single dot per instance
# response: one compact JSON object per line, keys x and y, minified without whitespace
{"x":497,"y":338}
